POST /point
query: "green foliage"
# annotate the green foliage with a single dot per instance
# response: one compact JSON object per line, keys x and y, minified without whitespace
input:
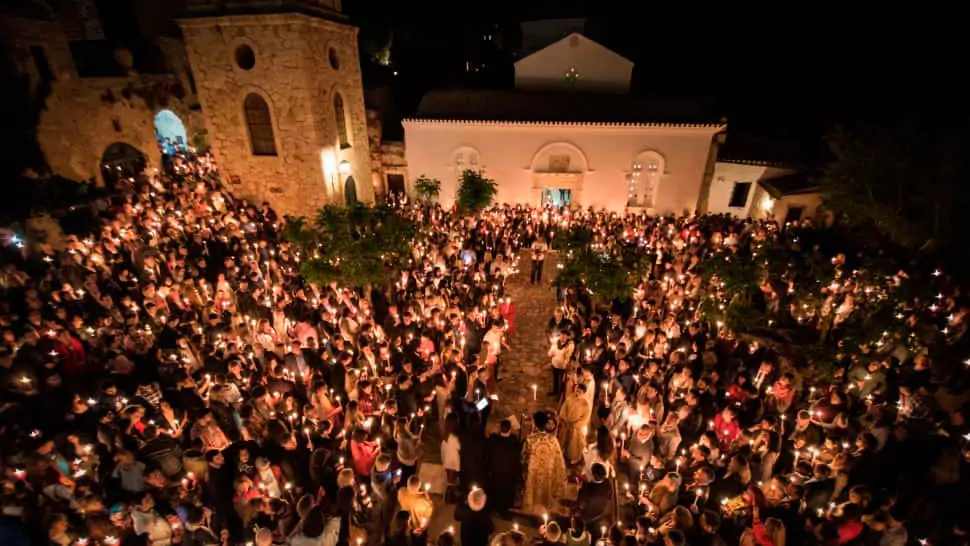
{"x":353,"y":246}
{"x":903,"y":181}
{"x":817,"y":275}
{"x":738,"y":279}
{"x":475,"y":192}
{"x":427,"y":189}
{"x":608,"y":274}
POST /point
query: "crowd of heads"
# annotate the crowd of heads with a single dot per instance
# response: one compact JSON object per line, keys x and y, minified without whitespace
{"x":172,"y":378}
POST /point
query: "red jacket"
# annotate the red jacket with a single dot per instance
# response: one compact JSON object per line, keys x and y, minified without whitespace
{"x":73,"y":356}
{"x":727,"y":433}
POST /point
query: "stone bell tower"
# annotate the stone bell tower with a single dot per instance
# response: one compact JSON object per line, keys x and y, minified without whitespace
{"x":280,"y":88}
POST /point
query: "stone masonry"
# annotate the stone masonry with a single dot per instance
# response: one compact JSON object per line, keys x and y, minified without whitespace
{"x":295,"y":75}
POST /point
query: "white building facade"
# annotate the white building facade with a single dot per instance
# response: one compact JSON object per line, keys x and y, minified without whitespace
{"x":568,"y":135}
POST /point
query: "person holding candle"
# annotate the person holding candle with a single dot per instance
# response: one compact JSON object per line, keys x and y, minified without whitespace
{"x":475,"y":518}
{"x":595,"y":500}
{"x":560,"y":354}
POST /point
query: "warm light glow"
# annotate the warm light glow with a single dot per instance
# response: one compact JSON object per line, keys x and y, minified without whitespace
{"x":768,"y":204}
{"x":344,"y":167}
{"x":329,"y":161}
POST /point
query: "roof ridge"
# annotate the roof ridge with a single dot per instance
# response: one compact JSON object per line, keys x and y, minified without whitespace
{"x":564,"y":123}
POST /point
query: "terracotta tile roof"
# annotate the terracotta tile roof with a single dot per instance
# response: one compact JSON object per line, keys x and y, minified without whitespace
{"x":518,"y":106}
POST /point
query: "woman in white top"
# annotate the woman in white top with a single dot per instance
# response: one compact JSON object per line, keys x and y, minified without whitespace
{"x":601,"y":452}
{"x":451,"y":449}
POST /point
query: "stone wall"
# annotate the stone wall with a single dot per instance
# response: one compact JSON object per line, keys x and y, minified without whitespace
{"x":293,"y":74}
{"x":386,"y":157}
{"x":82,"y":117}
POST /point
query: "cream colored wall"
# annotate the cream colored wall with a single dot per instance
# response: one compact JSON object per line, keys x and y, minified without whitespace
{"x":599,"y":68}
{"x":811,"y":202}
{"x":507,"y":152}
{"x":293,"y":74}
{"x":726,"y":175}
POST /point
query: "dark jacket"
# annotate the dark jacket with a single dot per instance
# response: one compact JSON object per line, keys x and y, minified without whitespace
{"x":476,"y":527}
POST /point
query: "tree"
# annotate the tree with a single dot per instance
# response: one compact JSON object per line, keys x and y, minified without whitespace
{"x":475,"y":192}
{"x":427,"y":189}
{"x":353,"y":246}
{"x":608,"y":275}
{"x":904,"y":181}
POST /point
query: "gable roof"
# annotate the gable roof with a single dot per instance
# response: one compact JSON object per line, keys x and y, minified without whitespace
{"x":521,"y":106}
{"x":583,"y":40}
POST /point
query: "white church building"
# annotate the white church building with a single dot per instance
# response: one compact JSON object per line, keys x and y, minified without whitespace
{"x":569,"y":134}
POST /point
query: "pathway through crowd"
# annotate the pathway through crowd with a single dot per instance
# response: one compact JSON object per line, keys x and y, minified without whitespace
{"x":526,"y":364}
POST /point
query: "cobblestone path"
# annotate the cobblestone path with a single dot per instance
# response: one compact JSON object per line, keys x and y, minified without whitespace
{"x":527,"y":363}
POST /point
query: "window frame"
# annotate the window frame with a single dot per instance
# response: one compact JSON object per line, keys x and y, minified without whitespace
{"x":340,"y":120}
{"x":262,"y":134}
{"x":734,"y":193}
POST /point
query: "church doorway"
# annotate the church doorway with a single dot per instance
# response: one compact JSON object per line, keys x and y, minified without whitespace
{"x":395,"y":185}
{"x":121,"y":160}
{"x":350,"y":191}
{"x":557,"y":189}
{"x":557,"y":197}
{"x":170,"y":132}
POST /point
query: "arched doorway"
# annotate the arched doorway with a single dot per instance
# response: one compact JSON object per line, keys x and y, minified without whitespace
{"x":170,"y":132}
{"x":121,"y":160}
{"x":350,"y":191}
{"x":558,"y":170}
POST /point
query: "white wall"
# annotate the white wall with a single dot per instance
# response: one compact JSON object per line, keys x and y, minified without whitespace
{"x":726,"y":175}
{"x":810,"y":202}
{"x":507,"y":151}
{"x":599,"y":69}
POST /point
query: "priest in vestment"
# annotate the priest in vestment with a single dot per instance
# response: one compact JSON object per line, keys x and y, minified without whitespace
{"x":545,"y":469}
{"x":573,"y":421}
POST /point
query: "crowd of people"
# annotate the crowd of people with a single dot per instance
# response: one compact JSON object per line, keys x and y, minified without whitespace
{"x":174,"y":379}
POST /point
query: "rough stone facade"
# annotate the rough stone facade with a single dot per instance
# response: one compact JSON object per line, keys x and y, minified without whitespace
{"x":295,"y":75}
{"x":82,"y":117}
{"x":386,"y":157}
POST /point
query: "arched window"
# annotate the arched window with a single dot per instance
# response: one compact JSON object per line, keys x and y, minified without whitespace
{"x":260,"y":125}
{"x":644,"y":179}
{"x":341,"y":117}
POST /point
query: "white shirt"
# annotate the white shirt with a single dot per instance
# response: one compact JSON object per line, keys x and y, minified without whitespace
{"x":451,"y":453}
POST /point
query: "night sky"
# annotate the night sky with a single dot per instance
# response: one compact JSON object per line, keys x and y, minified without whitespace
{"x":788,"y":72}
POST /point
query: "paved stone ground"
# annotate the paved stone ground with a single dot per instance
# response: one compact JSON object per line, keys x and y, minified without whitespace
{"x":526,"y":364}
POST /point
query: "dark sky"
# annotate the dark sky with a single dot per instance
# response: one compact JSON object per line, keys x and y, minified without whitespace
{"x":789,"y":70}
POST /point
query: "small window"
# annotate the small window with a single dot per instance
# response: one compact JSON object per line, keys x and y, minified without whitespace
{"x":42,"y":64}
{"x":245,"y":57}
{"x":739,"y":196}
{"x":794,"y":214}
{"x":341,"y":118}
{"x":260,"y":124}
{"x":334,"y":59}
